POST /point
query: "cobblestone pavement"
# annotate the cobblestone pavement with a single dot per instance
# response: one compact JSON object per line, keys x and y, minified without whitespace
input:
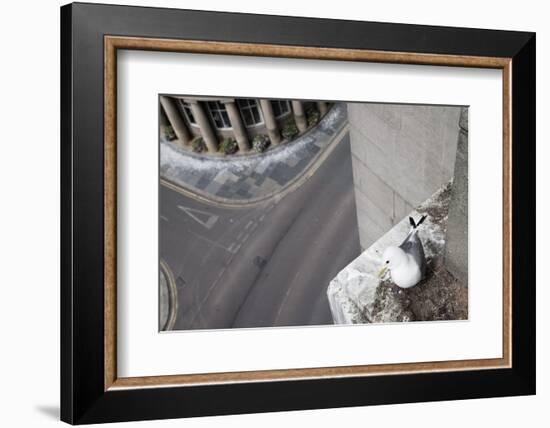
{"x":246,"y":178}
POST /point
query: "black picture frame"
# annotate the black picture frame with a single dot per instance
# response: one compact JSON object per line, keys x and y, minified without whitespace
{"x":83,"y":396}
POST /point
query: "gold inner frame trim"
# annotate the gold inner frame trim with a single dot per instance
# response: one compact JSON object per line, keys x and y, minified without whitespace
{"x":113,"y":43}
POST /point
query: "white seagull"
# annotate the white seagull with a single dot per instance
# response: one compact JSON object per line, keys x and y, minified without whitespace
{"x":406,"y":263}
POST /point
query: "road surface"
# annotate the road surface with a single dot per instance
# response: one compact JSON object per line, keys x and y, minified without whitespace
{"x":263,"y":265}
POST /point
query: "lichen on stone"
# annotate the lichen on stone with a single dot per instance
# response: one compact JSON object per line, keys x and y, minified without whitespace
{"x":439,"y":296}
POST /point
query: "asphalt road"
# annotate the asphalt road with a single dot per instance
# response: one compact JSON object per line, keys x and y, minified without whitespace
{"x":265,"y":265}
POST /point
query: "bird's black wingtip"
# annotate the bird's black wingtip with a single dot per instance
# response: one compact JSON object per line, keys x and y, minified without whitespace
{"x":414,"y":224}
{"x":421,"y":220}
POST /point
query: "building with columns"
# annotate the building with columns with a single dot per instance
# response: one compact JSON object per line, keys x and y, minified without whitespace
{"x":240,"y":119}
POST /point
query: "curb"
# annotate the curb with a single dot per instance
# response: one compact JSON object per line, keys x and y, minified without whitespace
{"x":290,"y":186}
{"x":173,"y":310}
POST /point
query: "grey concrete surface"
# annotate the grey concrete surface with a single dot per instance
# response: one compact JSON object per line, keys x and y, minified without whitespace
{"x":357,"y":295}
{"x":401,"y":155}
{"x":456,"y":249}
{"x":263,"y":265}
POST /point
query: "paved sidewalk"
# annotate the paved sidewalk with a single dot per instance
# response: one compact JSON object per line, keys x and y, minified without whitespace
{"x":252,"y":177}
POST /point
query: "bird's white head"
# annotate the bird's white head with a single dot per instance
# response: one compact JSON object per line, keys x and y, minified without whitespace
{"x":393,"y":257}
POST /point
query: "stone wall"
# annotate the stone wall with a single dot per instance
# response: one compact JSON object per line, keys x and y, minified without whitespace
{"x":401,"y":155}
{"x":456,"y":248}
{"x":357,"y":295}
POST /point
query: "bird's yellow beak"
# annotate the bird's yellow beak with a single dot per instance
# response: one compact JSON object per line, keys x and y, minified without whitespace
{"x":382,"y":272}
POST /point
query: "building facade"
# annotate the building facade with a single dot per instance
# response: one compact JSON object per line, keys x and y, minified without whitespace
{"x":240,"y":119}
{"x":401,"y":155}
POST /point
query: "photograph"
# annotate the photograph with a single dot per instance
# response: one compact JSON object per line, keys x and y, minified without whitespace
{"x":266,"y":211}
{"x":293,"y":212}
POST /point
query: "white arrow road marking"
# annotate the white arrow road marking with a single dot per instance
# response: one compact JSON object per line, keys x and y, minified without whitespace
{"x":202,"y":217}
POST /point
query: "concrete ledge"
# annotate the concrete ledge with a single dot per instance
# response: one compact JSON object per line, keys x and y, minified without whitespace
{"x":358,"y":296}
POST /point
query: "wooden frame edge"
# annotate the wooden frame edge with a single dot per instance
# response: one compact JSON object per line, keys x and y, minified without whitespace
{"x":301,"y":374}
{"x":112,"y":43}
{"x":301,"y":52}
{"x":507,"y":213}
{"x":109,"y":198}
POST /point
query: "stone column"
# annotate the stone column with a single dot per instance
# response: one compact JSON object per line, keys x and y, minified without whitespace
{"x":163,"y":119}
{"x":239,"y":131}
{"x":207,"y":132}
{"x":174,"y":117}
{"x":299,"y":115}
{"x":270,"y":122}
{"x":323,"y":107}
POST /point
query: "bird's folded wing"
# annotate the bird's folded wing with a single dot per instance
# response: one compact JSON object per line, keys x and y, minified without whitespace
{"x":413,"y":246}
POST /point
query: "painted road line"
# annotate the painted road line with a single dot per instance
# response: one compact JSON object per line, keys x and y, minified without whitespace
{"x":214,"y":243}
{"x":202,"y":217}
{"x":234,"y":247}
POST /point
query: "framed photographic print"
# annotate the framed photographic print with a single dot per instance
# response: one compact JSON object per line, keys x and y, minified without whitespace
{"x":265,"y":213}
